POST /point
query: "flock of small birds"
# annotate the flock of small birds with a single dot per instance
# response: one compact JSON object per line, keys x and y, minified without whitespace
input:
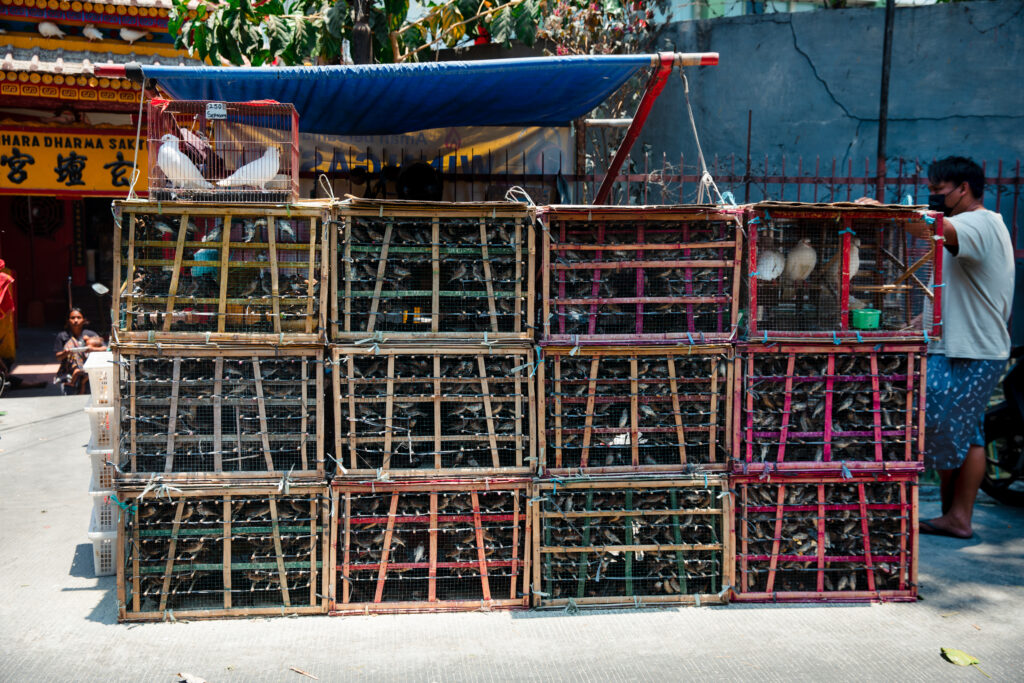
{"x":257,"y":579}
{"x":852,"y":405}
{"x":653,"y":572}
{"x":843,"y":535}
{"x":458,"y":544}
{"x":49,"y":29}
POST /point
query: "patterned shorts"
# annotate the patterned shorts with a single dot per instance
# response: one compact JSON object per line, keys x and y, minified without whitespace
{"x":957,"y":396}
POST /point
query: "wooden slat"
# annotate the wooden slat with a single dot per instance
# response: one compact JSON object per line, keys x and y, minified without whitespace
{"x":713,"y":436}
{"x":518,"y":304}
{"x":776,"y":536}
{"x":133,"y":429}
{"x":435,"y":273}
{"x":227,"y":552}
{"x":530,"y":280}
{"x":311,"y":276}
{"x":346,"y":582}
{"x":172,"y":552}
{"x":314,"y":505}
{"x":588,"y":423}
{"x":558,"y":409}
{"x":487,"y":275}
{"x":218,"y":437}
{"x":274,"y":266}
{"x":136,"y":561}
{"x":261,"y":407}
{"x":172,"y":420}
{"x":634,"y":420}
{"x":379,"y":285}
{"x":519,"y":413}
{"x":485,"y":582}
{"x":677,"y":537}
{"x":677,"y":410}
{"x":581,"y":572}
{"x":223,"y":274}
{"x":388,"y":532}
{"x":172,"y":291}
{"x":876,"y":406}
{"x":515,"y":545}
{"x":491,"y":433}
{"x":351,"y":426}
{"x":628,"y":529}
{"x":389,"y":415}
{"x":304,"y":421}
{"x":595,"y":279}
{"x":821,"y":538}
{"x":436,"y":400}
{"x":348,"y":277}
{"x":432,"y":589}
{"x":129,"y":285}
{"x":787,"y":401}
{"x":282,"y":574}
{"x":869,"y":565}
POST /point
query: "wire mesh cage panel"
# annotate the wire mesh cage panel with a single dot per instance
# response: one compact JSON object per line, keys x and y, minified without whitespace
{"x":632,"y":543}
{"x":430,"y":546}
{"x":806,"y":538}
{"x":219,"y":272}
{"x":828,"y":407}
{"x":843,"y":271}
{"x":414,"y":270}
{"x":243,"y":551}
{"x":235,"y":152}
{"x":636,"y":408}
{"x":418,"y":411}
{"x":208,"y":414}
{"x":641,"y":273}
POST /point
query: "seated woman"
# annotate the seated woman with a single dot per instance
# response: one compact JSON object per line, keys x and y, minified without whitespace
{"x":71,"y":347}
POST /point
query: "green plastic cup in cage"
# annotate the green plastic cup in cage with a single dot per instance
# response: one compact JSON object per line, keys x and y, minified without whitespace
{"x":865,"y":318}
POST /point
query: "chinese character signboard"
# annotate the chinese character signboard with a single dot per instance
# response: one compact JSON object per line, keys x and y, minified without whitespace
{"x":79,"y":162}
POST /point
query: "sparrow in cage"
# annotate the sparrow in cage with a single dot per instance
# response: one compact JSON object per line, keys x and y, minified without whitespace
{"x":255,"y":173}
{"x":178,"y":168}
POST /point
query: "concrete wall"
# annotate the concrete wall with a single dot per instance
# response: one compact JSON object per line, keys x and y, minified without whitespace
{"x":812,"y":81}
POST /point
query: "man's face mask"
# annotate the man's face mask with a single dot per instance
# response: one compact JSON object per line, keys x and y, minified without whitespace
{"x":937,"y":202}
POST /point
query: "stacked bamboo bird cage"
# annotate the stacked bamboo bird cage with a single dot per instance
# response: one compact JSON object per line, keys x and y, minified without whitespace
{"x":842,"y":300}
{"x":433,"y":372}
{"x":640,"y":312}
{"x":219,"y":393}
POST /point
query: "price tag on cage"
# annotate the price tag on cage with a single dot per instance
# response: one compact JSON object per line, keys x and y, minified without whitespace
{"x":216,"y":111}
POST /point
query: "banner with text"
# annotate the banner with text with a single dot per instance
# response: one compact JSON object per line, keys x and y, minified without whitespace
{"x":79,"y":162}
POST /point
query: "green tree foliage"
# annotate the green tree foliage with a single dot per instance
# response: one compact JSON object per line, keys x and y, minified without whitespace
{"x":292,"y":32}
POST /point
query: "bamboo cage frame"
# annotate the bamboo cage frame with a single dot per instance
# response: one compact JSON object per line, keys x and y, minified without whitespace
{"x":524,"y":401}
{"x":311,"y":405}
{"x":554,"y":219}
{"x":130,"y":571}
{"x":907,"y":560}
{"x":912,"y":429}
{"x":845,"y":215}
{"x":341,"y":249}
{"x":309,"y":330}
{"x":542,"y":547}
{"x":339,"y":588}
{"x":721,"y":400}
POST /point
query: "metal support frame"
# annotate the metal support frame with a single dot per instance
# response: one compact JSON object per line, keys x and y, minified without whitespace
{"x":663,"y":69}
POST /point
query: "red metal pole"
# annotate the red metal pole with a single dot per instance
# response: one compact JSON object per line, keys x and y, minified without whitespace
{"x":666,"y":60}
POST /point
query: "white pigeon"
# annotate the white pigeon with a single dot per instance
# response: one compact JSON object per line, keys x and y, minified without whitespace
{"x":769,"y":264}
{"x":131,"y":35}
{"x":92,"y":33}
{"x":800,"y":261}
{"x":837,"y":262}
{"x":256,"y":173}
{"x":178,"y":168}
{"x":48,"y":29}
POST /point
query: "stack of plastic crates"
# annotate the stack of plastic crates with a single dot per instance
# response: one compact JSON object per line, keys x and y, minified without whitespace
{"x":640,"y":310}
{"x":100,"y":451}
{"x":434,"y":400}
{"x":841,"y":302}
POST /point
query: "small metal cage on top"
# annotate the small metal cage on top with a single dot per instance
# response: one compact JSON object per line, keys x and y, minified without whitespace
{"x":237,"y":152}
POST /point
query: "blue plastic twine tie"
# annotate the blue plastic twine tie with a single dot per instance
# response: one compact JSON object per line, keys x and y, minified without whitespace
{"x":847,"y":230}
{"x":766,"y":336}
{"x":928,"y":219}
{"x":755,"y":273}
{"x":754,"y":221}
{"x":860,"y":339}
{"x":835,"y":338}
{"x":690,"y":337}
{"x":846,"y":470}
{"x":925,"y":336}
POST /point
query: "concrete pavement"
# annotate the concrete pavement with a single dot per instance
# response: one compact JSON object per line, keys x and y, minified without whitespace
{"x":57,"y":621}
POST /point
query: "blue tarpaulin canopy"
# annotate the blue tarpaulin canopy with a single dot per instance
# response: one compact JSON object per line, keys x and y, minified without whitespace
{"x":399,"y":98}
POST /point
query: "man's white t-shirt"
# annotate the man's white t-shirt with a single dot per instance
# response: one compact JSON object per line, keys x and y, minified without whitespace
{"x":978,"y":292}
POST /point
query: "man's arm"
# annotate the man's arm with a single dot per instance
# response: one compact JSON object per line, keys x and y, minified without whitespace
{"x":949,"y":237}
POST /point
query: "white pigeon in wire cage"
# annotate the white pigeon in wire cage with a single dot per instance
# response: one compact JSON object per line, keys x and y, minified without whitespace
{"x":178,"y":168}
{"x":256,"y":173}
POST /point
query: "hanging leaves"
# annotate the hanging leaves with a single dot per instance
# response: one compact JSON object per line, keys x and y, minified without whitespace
{"x":305,"y":31}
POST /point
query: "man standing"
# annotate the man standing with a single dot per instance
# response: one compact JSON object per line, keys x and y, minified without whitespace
{"x":967,"y":362}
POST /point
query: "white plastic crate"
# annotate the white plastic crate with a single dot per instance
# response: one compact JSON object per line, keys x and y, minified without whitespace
{"x":102,"y":473}
{"x":103,"y":549}
{"x":104,"y":509}
{"x":100,"y":366}
{"x":101,"y":418}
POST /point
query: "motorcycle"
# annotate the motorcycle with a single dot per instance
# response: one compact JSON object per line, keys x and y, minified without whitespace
{"x":1004,"y":441}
